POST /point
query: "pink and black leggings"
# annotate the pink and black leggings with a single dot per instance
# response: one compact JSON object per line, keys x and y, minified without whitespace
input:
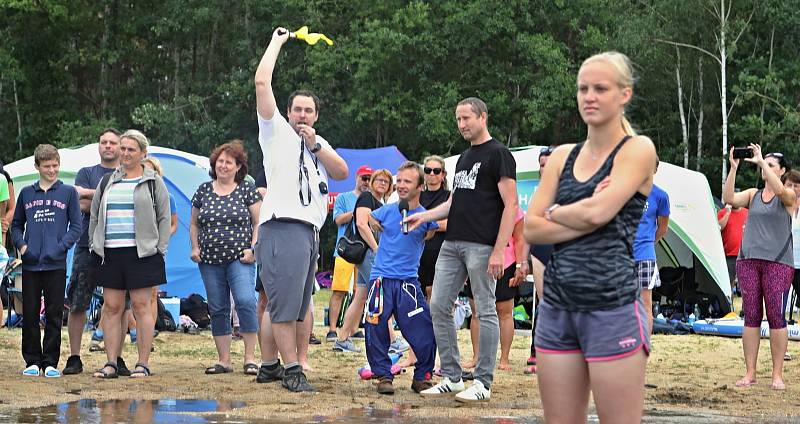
{"x":763,"y":280}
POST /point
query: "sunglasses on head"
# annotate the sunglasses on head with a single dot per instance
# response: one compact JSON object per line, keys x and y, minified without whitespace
{"x":435,"y":171}
{"x":546,"y":151}
{"x":366,"y":178}
{"x":774,"y":155}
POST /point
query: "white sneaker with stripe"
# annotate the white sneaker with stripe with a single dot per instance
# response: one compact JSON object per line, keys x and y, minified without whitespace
{"x":476,"y":393}
{"x":445,"y":387}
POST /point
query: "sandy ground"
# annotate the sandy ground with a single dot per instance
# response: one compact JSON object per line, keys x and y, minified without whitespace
{"x":691,"y":374}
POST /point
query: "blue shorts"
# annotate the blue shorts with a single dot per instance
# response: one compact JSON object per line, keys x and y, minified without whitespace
{"x":598,"y":335}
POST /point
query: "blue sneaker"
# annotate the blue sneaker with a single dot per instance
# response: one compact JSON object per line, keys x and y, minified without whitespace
{"x":97,"y":336}
{"x":31,"y":371}
{"x":346,"y":345}
{"x":132,"y":332}
{"x":398,"y":345}
{"x":51,"y":372}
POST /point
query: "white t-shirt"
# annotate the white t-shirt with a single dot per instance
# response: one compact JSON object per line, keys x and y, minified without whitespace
{"x":281,"y":146}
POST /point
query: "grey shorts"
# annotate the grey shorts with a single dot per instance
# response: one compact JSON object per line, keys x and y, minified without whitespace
{"x":287,"y":253}
{"x":648,"y":274}
{"x":80,"y":289}
{"x":597,"y":335}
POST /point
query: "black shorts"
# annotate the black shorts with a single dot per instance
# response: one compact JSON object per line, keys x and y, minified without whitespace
{"x":427,"y":267}
{"x":796,"y":286}
{"x":502,"y":292}
{"x":123,"y":269}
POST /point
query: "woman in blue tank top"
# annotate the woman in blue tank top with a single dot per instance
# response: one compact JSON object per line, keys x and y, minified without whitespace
{"x":765,"y":265}
{"x":592,"y":328}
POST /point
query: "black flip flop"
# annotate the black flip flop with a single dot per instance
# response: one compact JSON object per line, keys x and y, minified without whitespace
{"x":220,"y":369}
{"x":101,"y":373}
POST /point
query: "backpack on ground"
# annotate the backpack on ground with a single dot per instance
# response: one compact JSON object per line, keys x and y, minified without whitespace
{"x":164,"y":320}
{"x":196,"y":308}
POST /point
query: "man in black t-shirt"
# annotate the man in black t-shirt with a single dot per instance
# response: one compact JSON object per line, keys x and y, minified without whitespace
{"x":480,"y":214}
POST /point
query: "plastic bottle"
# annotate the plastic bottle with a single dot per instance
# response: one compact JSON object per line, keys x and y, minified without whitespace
{"x":697,"y":311}
{"x":656,"y":309}
{"x":660,"y":319}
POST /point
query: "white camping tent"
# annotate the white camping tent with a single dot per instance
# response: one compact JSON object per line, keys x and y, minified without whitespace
{"x":693,"y":236}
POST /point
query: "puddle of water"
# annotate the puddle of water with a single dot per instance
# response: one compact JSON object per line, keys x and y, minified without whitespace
{"x":127,"y":410}
{"x":183,"y":410}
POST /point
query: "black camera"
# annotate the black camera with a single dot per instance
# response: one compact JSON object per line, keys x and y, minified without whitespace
{"x":323,"y":188}
{"x":742,"y":152}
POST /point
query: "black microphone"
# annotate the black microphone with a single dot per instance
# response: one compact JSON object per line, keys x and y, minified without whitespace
{"x":403,"y":206}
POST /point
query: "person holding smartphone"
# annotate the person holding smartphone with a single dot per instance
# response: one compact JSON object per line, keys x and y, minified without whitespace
{"x":765,"y":265}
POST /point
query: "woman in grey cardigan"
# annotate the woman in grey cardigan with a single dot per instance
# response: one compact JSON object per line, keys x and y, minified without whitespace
{"x":129,"y":230}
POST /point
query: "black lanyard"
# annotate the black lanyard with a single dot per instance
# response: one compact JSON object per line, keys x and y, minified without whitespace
{"x":303,"y":171}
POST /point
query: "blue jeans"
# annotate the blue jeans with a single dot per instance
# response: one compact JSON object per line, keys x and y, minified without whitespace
{"x":222,"y":280}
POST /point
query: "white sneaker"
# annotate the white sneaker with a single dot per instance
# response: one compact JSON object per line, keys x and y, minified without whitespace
{"x":476,"y":393}
{"x":31,"y":371}
{"x":445,"y":387}
{"x":51,"y":372}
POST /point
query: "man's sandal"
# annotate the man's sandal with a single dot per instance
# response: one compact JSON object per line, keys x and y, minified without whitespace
{"x":140,"y":370}
{"x":103,"y":374}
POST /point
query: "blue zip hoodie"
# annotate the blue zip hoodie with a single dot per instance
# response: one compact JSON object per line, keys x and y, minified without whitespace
{"x":41,"y":220}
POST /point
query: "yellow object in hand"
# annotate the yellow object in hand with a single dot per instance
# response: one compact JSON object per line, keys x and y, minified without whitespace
{"x":310,"y":38}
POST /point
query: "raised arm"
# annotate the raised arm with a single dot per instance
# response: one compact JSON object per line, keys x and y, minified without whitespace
{"x":787,"y":196}
{"x":632,"y":172}
{"x":435,"y":214}
{"x":265,"y":98}
{"x":736,"y":200}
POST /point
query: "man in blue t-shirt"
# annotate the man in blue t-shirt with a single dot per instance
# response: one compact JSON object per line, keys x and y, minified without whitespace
{"x":342,"y":270}
{"x":80,"y":289}
{"x":395,"y":289}
{"x":652,"y":227}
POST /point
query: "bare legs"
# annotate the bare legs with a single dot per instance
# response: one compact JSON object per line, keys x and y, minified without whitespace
{"x":617,"y":386}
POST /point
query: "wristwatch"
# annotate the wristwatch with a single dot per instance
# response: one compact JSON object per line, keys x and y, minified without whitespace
{"x":317,"y":147}
{"x":549,"y":211}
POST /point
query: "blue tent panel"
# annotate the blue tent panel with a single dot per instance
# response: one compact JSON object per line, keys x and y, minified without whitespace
{"x":383,"y":157}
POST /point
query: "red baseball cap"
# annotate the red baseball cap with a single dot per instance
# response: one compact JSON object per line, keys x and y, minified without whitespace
{"x":364,"y":170}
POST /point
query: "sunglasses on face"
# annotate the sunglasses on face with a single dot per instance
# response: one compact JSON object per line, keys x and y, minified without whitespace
{"x":365,"y":178}
{"x":435,"y":171}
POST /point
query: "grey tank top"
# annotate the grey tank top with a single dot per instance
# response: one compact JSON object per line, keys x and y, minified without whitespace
{"x":767,"y":232}
{"x":596,"y":271}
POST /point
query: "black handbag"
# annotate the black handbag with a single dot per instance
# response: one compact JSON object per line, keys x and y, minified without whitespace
{"x":350,"y":247}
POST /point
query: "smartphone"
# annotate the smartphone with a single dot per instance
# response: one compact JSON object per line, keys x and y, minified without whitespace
{"x":742,"y":152}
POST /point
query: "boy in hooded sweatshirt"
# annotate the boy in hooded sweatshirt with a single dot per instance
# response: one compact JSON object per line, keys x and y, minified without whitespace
{"x":47,"y":222}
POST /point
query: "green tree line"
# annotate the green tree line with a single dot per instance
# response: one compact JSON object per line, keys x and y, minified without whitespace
{"x":182,"y":71}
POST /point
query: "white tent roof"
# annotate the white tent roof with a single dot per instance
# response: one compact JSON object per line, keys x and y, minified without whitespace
{"x":73,"y":159}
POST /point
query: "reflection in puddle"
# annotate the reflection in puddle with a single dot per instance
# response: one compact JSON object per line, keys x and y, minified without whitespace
{"x":127,"y":410}
{"x":185,"y":410}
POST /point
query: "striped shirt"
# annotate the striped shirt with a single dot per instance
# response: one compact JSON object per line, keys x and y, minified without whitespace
{"x":596,"y":271}
{"x":120,"y":227}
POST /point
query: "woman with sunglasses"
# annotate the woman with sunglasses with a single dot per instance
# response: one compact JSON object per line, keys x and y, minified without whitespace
{"x":380,"y":187}
{"x":434,"y":194}
{"x":765,"y":266}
